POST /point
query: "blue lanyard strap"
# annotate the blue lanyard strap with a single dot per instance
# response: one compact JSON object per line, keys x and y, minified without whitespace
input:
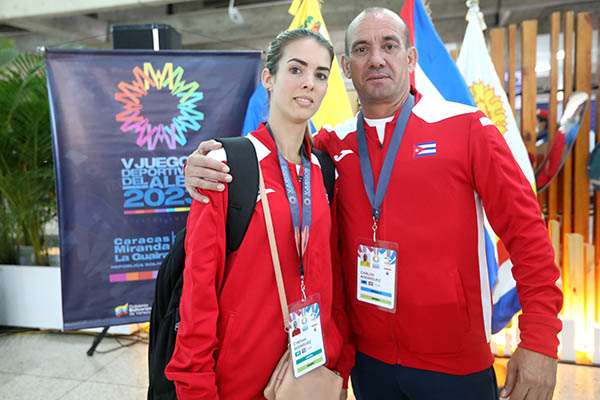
{"x":301,"y":224}
{"x":301,"y":236}
{"x":376,"y":196}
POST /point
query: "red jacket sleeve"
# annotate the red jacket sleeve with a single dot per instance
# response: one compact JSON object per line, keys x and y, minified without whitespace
{"x":346,"y":359}
{"x":192,"y":366}
{"x":320,"y":140}
{"x":514,"y":214}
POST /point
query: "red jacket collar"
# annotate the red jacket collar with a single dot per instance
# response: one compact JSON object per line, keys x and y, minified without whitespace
{"x":264,"y":136}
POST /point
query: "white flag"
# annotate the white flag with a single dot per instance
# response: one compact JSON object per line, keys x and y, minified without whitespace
{"x":476,"y":66}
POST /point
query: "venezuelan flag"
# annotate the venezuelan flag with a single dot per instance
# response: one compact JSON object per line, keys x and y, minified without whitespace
{"x":122,"y":310}
{"x":335,"y":107}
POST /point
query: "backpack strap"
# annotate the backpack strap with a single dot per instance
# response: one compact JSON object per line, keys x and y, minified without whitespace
{"x":241,"y":159}
{"x":328,"y":171}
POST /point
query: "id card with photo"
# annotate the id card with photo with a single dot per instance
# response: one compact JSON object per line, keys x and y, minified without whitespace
{"x":376,"y":273}
{"x":306,"y":336}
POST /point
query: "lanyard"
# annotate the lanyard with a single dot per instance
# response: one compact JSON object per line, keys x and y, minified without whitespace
{"x":301,"y":224}
{"x":376,"y":196}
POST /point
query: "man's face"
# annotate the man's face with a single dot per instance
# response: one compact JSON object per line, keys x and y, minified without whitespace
{"x":379,"y":63}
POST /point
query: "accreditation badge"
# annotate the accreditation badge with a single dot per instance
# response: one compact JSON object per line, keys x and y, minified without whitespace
{"x":306,"y":336}
{"x":376,"y":273}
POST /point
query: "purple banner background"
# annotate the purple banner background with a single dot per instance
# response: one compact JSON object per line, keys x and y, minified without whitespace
{"x":123,"y":123}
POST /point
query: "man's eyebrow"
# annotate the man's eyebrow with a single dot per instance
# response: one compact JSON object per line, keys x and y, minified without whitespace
{"x":385,"y":38}
{"x":392,"y":37}
{"x":299,"y":61}
{"x":358,"y":42}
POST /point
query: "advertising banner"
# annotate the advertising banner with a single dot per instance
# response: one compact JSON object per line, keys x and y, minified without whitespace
{"x":124,"y":122}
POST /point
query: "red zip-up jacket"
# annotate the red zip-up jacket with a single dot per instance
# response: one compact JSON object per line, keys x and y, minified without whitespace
{"x":231,"y":333}
{"x":433,"y":211}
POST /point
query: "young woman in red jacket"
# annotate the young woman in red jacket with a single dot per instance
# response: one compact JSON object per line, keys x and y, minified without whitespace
{"x":231,"y":333}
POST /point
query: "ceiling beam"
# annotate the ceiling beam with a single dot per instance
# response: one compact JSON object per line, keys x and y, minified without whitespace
{"x":16,"y":9}
{"x":66,"y":28}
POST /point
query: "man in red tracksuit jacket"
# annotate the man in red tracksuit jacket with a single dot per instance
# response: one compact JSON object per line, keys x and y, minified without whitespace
{"x":451,"y":162}
{"x":433,"y":211}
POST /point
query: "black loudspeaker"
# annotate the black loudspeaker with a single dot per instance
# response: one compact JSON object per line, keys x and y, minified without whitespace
{"x":146,"y":37}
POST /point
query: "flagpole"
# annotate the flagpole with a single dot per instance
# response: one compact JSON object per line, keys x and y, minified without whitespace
{"x":473,"y":6}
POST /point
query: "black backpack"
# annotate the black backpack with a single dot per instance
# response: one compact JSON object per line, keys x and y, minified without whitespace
{"x":164,"y":318}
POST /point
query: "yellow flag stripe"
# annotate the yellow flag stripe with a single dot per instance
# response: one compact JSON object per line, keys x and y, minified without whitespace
{"x":335,"y":107}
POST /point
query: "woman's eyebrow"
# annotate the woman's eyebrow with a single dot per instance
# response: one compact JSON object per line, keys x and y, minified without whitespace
{"x":302,"y":62}
{"x":299,"y":61}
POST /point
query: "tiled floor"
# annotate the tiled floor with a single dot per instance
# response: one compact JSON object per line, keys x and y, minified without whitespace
{"x":52,"y":366}
{"x":55,"y":366}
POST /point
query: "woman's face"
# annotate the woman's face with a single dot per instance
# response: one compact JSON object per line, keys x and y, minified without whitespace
{"x":300,"y":83}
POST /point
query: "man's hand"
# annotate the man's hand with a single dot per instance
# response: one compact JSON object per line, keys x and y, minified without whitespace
{"x":530,"y":376}
{"x":202,"y":172}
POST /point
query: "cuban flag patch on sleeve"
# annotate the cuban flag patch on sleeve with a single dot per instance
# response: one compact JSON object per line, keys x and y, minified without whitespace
{"x":424,"y":149}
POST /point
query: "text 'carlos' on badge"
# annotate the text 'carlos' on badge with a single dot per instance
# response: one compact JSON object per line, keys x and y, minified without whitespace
{"x":376,"y":273}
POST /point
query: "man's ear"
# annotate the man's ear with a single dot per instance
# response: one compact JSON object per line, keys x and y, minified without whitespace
{"x":267,"y":79}
{"x":346,"y":66}
{"x":412,"y":59}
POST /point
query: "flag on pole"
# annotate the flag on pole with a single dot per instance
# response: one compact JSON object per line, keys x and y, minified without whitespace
{"x":335,"y":107}
{"x":436,"y":74}
{"x":477,"y":68}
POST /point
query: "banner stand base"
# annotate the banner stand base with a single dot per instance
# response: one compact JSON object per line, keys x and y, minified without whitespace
{"x":97,"y":341}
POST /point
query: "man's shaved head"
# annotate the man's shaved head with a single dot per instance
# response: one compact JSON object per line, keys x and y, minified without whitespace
{"x":379,"y":59}
{"x":371,"y":10}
